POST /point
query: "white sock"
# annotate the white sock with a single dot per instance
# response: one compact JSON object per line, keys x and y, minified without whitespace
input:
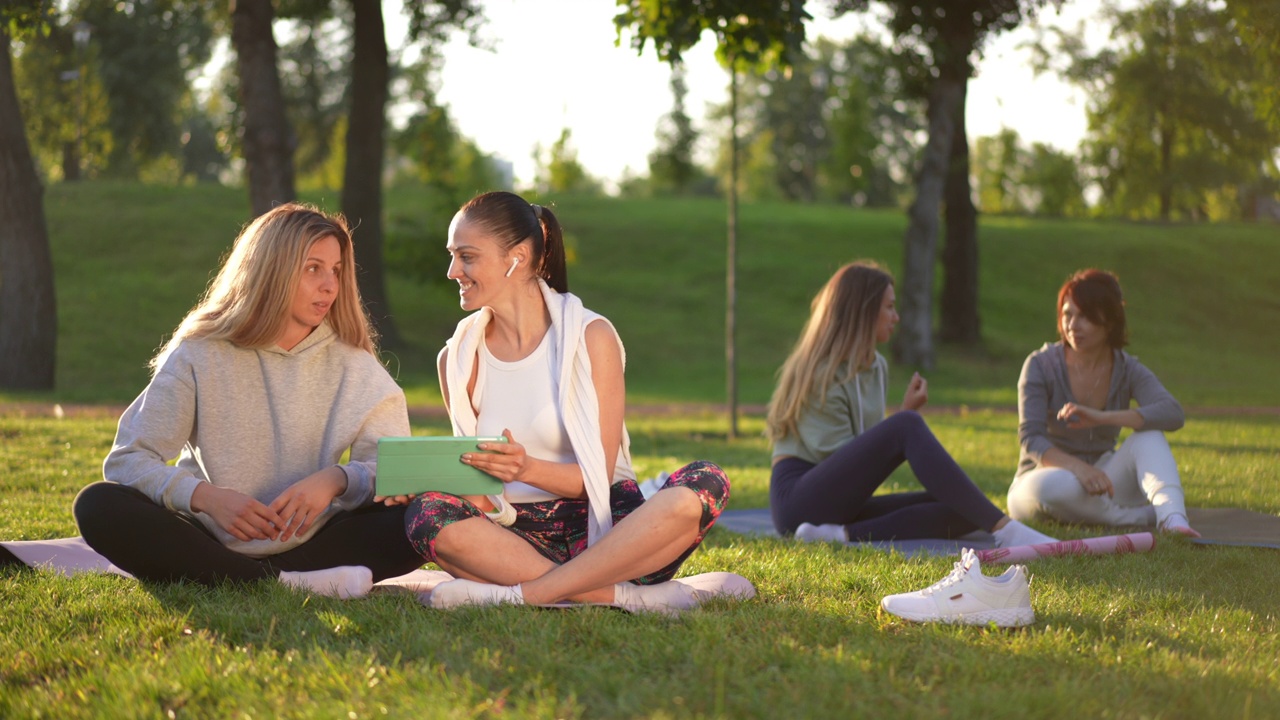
{"x":1178,"y":523}
{"x":344,"y":581}
{"x":1015,"y":533}
{"x":469,"y":593}
{"x":667,"y":598}
{"x":821,"y":533}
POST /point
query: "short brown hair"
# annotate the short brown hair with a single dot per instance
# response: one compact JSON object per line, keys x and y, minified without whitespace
{"x":1098,"y":295}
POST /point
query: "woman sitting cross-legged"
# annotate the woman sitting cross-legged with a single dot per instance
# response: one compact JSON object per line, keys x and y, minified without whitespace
{"x":833,"y":446}
{"x":264,"y":386}
{"x":536,"y":366}
{"x":1074,"y":397}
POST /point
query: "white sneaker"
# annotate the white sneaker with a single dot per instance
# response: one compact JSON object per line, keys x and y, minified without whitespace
{"x":968,"y":597}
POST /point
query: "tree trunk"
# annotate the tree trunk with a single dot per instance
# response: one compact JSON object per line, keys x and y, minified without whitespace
{"x":914,"y":345}
{"x":70,"y":161}
{"x":268,"y":140}
{"x":1166,"y":168}
{"x":28,"y":308}
{"x":362,"y":177}
{"x":960,"y":321}
{"x":731,"y":264}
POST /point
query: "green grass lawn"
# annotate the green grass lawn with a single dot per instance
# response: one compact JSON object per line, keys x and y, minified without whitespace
{"x":1185,"y":631}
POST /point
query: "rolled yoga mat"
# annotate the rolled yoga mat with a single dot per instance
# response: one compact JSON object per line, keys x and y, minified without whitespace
{"x":1108,"y":545}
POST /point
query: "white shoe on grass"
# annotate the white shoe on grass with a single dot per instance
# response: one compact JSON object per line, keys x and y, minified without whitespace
{"x":968,"y":597}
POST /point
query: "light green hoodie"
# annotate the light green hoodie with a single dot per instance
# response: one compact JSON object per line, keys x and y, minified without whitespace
{"x":849,"y":409}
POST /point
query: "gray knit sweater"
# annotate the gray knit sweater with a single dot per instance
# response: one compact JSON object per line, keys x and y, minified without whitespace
{"x":257,"y":421}
{"x":1043,"y":389}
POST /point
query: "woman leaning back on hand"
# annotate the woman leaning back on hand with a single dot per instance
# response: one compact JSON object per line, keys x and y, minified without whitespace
{"x":833,"y":446}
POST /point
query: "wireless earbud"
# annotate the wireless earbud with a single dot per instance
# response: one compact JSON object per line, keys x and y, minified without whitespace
{"x":514,"y":263}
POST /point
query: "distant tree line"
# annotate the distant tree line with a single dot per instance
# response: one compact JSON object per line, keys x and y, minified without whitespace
{"x":1183,"y":108}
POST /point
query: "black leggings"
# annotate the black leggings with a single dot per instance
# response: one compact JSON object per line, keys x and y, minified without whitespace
{"x":840,"y":488}
{"x":154,"y":543}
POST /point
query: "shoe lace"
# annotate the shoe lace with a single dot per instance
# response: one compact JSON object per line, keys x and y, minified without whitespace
{"x":958,"y":572}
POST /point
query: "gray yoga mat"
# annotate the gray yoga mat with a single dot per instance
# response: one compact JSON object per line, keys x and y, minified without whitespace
{"x":756,"y":521}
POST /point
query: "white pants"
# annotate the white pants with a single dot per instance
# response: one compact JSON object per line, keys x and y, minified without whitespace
{"x":1147,"y":488}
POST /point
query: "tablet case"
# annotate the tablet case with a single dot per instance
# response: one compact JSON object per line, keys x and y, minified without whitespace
{"x":414,"y":465}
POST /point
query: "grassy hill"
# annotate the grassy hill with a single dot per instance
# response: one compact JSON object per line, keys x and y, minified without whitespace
{"x":131,"y":259}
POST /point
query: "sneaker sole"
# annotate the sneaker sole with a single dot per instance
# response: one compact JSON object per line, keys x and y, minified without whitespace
{"x":1005,"y":618}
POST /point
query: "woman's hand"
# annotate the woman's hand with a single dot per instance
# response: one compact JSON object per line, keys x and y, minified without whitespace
{"x":302,"y":502}
{"x":240,"y":515}
{"x":1079,"y":417}
{"x":392,"y":500}
{"x":1093,"y":480}
{"x":506,"y":461}
{"x":917,"y":393}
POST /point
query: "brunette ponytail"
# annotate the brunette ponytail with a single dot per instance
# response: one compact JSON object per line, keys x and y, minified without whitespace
{"x":511,"y":220}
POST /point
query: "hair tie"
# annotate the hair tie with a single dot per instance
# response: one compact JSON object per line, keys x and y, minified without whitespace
{"x":537,"y":210}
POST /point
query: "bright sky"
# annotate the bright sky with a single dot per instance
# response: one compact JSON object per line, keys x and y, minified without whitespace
{"x":555,"y":65}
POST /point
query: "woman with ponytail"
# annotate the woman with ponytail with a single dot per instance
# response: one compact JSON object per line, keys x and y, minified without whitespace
{"x":833,"y":446}
{"x":533,"y":365}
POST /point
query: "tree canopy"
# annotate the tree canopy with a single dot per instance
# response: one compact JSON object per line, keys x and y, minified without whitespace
{"x":1177,"y":110}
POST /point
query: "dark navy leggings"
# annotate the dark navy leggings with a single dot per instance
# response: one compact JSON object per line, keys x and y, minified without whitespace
{"x":840,"y":488}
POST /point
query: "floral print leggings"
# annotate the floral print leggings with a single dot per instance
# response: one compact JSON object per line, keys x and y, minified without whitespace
{"x":558,"y":528}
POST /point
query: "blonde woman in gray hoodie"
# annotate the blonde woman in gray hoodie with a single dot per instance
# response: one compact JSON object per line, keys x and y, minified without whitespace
{"x":262,"y":389}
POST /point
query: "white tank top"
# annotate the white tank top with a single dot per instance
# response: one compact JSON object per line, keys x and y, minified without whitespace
{"x":521,"y":396}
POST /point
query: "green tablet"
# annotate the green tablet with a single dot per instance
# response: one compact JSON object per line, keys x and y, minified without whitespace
{"x":414,"y":465}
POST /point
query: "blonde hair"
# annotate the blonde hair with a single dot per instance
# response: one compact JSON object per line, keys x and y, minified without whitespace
{"x":247,"y":303}
{"x":838,"y":341}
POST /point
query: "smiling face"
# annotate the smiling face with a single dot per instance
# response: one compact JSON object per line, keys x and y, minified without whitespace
{"x":1081,"y":333}
{"x":316,"y":291}
{"x":479,"y":265}
{"x":887,"y":320}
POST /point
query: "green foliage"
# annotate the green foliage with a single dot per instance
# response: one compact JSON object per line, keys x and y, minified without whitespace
{"x":672,"y":169}
{"x":63,"y":101}
{"x":22,"y":18}
{"x":416,"y":237}
{"x":874,"y":126}
{"x":946,"y":33}
{"x":1012,"y":179}
{"x":832,"y":126}
{"x":147,"y":52}
{"x":1055,"y":176}
{"x":1175,"y":110}
{"x":750,"y":34}
{"x":997,"y":161}
{"x":314,"y":76}
{"x":558,"y":169}
{"x":447,"y":162}
{"x":204,"y":153}
{"x":1258,"y":22}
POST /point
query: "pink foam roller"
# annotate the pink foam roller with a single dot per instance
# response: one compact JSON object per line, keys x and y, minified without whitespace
{"x":1108,"y":545}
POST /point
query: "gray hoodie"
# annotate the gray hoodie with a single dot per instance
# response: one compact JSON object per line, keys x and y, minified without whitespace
{"x":1043,"y":388}
{"x":257,"y":421}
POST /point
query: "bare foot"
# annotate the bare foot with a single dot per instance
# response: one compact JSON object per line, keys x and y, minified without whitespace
{"x":1186,"y":530}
